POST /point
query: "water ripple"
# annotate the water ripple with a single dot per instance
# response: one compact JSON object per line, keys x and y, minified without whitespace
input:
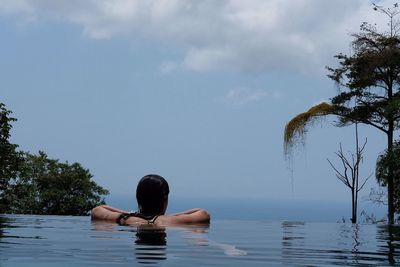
{"x":66,"y":240}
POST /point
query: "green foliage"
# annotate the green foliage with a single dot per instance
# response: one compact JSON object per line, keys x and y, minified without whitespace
{"x":47,"y":186}
{"x":10,"y":159}
{"x":35,"y":184}
{"x":371,"y":79}
{"x":389,"y":160}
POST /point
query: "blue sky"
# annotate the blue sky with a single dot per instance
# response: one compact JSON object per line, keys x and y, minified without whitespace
{"x":197,"y":91}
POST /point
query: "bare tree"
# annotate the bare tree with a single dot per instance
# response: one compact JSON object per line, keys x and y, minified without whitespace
{"x":349,"y":176}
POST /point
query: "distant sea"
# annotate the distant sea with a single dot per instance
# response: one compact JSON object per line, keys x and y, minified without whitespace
{"x":262,"y":209}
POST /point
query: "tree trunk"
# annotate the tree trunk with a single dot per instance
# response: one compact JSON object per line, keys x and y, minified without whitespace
{"x":353,"y":206}
{"x":355,"y":178}
{"x":390,"y":177}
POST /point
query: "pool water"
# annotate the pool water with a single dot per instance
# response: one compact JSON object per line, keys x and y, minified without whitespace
{"x":27,"y":240}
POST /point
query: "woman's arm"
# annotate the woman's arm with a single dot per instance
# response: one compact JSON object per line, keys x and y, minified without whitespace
{"x":114,"y":209}
{"x":186,"y":212}
{"x":190,"y":216}
{"x":106,"y":213}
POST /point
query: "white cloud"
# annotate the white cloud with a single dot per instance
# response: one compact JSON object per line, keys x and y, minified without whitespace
{"x":250,"y":35}
{"x":242,"y":96}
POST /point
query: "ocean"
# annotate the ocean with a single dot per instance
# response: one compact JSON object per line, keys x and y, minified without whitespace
{"x":263,"y":209}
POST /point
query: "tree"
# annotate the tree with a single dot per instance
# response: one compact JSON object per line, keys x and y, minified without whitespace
{"x":369,"y":81}
{"x":47,"y":186}
{"x":10,"y":158}
{"x":351,"y":180}
{"x":388,"y":163}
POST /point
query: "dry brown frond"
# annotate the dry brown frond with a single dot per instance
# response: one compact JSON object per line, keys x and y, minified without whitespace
{"x":296,"y":128}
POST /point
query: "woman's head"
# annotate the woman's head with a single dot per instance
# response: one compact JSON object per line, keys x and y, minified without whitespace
{"x":152,"y":194}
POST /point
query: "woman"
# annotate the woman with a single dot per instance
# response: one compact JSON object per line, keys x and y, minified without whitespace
{"x":152,"y":198}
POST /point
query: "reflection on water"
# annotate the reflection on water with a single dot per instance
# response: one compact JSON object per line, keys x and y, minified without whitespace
{"x":353,"y":245}
{"x":292,"y":241}
{"x":150,"y":243}
{"x":76,"y":241}
{"x":391,"y":235}
{"x":3,"y":225}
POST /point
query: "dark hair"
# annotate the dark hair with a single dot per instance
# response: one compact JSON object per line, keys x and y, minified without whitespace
{"x":151,"y":193}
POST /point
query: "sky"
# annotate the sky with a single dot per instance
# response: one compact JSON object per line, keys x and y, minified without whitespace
{"x":196,"y":91}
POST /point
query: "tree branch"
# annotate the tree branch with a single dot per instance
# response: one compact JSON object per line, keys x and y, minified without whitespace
{"x":341,"y":177}
{"x":361,"y":121}
{"x":365,"y":181}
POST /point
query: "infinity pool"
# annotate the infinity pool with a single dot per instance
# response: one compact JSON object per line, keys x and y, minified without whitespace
{"x":76,"y":241}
